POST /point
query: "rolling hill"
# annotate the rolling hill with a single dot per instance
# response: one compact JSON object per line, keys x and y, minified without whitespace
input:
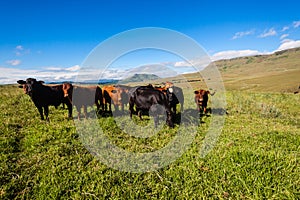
{"x":277,"y":72}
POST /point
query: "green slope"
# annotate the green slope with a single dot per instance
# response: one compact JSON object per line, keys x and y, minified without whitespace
{"x":277,"y":72}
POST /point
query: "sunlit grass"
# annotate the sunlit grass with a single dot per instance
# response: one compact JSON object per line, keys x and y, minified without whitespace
{"x":256,"y":156}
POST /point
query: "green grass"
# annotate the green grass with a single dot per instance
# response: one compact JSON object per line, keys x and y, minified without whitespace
{"x":256,"y":156}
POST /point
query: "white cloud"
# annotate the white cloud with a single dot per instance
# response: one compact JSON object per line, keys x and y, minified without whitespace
{"x":288,"y":44}
{"x":182,"y":64}
{"x":73,"y":68}
{"x":284,"y":36}
{"x":20,"y":50}
{"x":296,"y":24}
{"x":234,"y":53}
{"x":12,"y":75}
{"x":13,"y":62}
{"x":242,"y":34}
{"x":268,"y":33}
{"x":54,"y":68}
{"x":285,"y":28}
{"x":47,"y":74}
{"x":197,"y":63}
{"x":19,"y":47}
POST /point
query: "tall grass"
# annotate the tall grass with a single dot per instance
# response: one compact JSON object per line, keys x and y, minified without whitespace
{"x":256,"y":156}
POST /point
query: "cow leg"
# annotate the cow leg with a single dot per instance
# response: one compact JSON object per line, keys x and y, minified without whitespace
{"x":85,"y":111}
{"x":109,"y":107}
{"x":169,"y":119}
{"x":70,"y":108}
{"x":140,"y":114}
{"x":155,"y":117}
{"x":79,"y":112}
{"x":174,"y":109}
{"x":198,"y":108}
{"x":98,"y":107}
{"x":40,"y":109}
{"x":46,"y":112}
{"x":116,"y":107}
{"x":131,"y":109}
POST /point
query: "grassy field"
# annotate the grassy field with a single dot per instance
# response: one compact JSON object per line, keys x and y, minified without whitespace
{"x":256,"y":156}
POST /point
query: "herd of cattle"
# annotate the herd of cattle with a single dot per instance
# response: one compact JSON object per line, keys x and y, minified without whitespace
{"x":140,"y":98}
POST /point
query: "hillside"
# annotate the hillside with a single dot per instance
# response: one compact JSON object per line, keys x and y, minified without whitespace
{"x":278,"y":72}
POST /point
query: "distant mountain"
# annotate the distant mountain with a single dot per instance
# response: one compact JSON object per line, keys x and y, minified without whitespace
{"x":140,"y":78}
{"x":90,"y":82}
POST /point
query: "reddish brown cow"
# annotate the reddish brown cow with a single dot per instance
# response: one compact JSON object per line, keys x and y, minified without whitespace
{"x":116,"y":94}
{"x":81,"y":96}
{"x":201,"y":98}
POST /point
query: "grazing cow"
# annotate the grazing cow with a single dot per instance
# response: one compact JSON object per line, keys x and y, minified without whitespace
{"x":83,"y":97}
{"x":116,"y":94}
{"x":43,"y":96}
{"x":174,"y":95}
{"x":201,"y":98}
{"x":145,"y":98}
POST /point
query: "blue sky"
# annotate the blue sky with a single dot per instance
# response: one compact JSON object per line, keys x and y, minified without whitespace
{"x":50,"y":39}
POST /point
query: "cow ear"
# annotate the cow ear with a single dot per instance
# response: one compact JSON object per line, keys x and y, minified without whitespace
{"x":196,"y":92}
{"x":20,"y":86}
{"x":41,"y":82}
{"x":21,"y":81}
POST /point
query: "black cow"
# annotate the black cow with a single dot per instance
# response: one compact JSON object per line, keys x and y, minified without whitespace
{"x":146,"y":98}
{"x":43,"y":96}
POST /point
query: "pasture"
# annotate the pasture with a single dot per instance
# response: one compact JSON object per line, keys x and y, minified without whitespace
{"x":256,"y":156}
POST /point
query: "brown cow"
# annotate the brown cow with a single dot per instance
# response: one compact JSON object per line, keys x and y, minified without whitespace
{"x":81,"y":96}
{"x":201,"y":98}
{"x":116,"y":94}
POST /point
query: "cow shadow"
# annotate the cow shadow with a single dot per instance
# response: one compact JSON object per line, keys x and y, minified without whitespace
{"x":219,"y":111}
{"x":189,"y":116}
{"x":193,"y":116}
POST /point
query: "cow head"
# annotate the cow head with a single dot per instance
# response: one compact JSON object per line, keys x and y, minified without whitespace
{"x":67,"y":89}
{"x":168,"y":84}
{"x":201,"y":96}
{"x":29,"y":85}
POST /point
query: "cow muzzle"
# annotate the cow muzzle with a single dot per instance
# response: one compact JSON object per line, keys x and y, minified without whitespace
{"x":200,"y":101}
